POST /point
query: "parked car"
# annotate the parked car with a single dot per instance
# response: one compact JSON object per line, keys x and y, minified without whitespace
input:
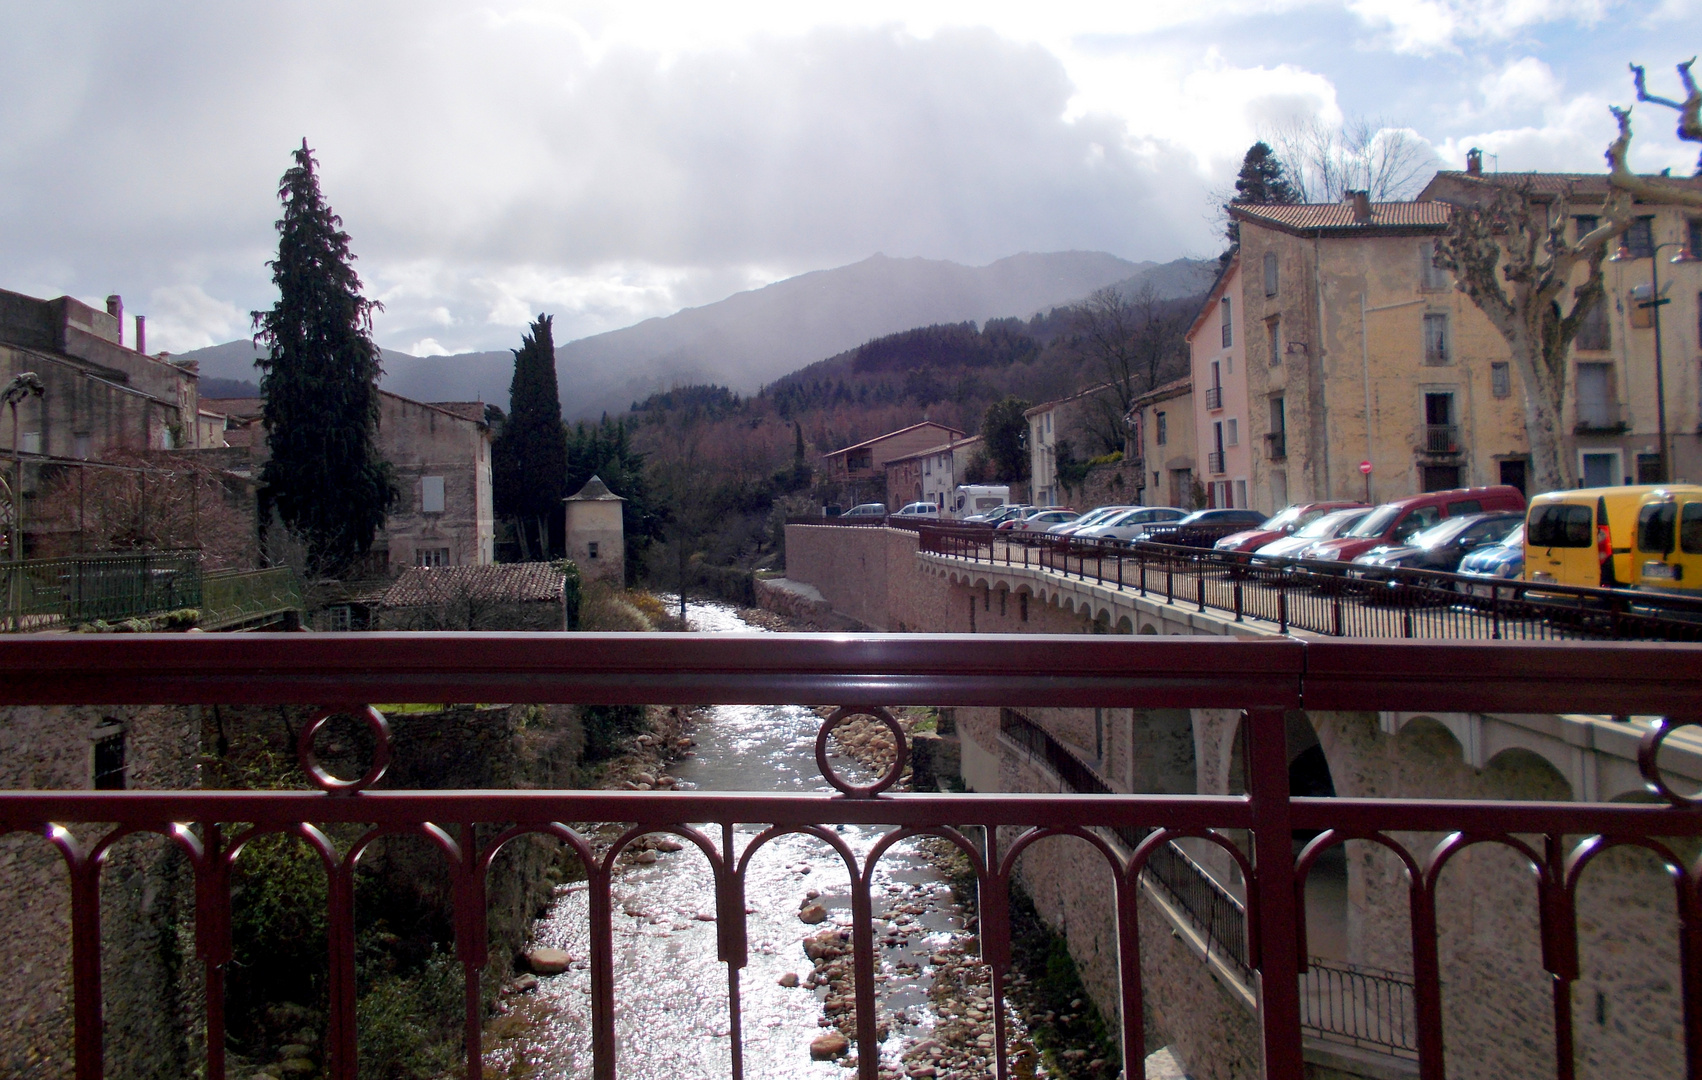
{"x":1440,"y":547}
{"x":918,"y":511}
{"x":1669,"y":541}
{"x":1280,"y":525}
{"x":1133,"y":524}
{"x":1037,"y":524}
{"x":1328,"y":527}
{"x":1394,"y":522}
{"x":1583,"y":536}
{"x":1016,"y":520}
{"x":1203,"y":528}
{"x":867,"y":511}
{"x":999,"y":514}
{"x":1504,"y":561}
{"x":1095,"y":516}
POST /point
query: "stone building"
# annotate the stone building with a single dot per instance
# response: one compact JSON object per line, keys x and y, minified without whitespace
{"x":441,"y":453}
{"x":1219,"y":363}
{"x":1163,"y":441}
{"x":596,"y":531}
{"x":1356,"y":348}
{"x":150,"y":982}
{"x":857,"y":473}
{"x":930,"y":475}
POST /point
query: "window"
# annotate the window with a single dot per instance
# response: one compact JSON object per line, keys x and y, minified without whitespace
{"x":1501,"y":379}
{"x":1270,"y":273}
{"x":1640,"y":238}
{"x":1693,"y":238}
{"x":80,"y":448}
{"x":1162,"y":432}
{"x":591,"y":549}
{"x":1441,"y":436}
{"x":1655,"y":527}
{"x":339,"y":618}
{"x":30,"y":442}
{"x":431,"y":556}
{"x":1594,"y":388}
{"x":1583,"y":225}
{"x":1561,"y":524}
{"x":1241,"y":494}
{"x":431,"y":494}
{"x":1232,"y":432}
{"x":1223,"y":311}
{"x":1593,"y":332}
{"x":1436,"y":338}
{"x":1690,"y":529}
{"x":1273,"y":331}
{"x":1430,"y":276}
{"x":109,"y":767}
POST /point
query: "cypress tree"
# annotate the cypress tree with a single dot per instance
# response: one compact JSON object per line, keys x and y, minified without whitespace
{"x":529,"y":459}
{"x":1262,"y":178}
{"x":319,"y":382}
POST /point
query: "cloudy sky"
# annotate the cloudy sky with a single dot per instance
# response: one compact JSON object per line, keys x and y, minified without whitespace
{"x":610,"y":162}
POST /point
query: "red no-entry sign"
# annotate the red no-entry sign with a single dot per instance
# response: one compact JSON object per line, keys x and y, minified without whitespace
{"x":1365,"y":467}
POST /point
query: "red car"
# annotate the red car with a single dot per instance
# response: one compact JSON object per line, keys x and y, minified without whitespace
{"x":1393,"y":522}
{"x":1275,"y":528}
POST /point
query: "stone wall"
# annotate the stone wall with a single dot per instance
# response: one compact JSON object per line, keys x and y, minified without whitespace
{"x":150,"y":985}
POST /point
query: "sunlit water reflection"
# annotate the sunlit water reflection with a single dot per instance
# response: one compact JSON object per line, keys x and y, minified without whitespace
{"x":671,"y":993}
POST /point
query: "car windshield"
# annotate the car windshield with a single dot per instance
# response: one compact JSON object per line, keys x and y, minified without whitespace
{"x":1287,"y":519}
{"x":1516,"y":538}
{"x":1376,"y":521}
{"x":1327,"y":525}
{"x":1442,"y":533}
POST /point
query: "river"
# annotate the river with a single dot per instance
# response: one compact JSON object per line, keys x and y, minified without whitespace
{"x":670,"y":990}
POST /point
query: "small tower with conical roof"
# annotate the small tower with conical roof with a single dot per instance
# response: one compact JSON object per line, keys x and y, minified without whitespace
{"x":596,"y":538}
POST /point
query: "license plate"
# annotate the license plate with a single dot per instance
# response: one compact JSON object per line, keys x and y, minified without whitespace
{"x":1546,"y":579}
{"x":1656,"y":571}
{"x":1482,"y":590}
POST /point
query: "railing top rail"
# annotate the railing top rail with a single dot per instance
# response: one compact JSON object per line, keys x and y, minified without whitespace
{"x":946,"y":669}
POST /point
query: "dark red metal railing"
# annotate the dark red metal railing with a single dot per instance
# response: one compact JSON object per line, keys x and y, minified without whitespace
{"x":1264,"y":679}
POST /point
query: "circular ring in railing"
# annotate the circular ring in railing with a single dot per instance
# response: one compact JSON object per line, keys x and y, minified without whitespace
{"x":322,"y":778}
{"x":900,"y":756}
{"x":1648,"y":760}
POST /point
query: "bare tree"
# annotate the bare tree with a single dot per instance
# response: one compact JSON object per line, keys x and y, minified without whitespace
{"x":1323,"y":161}
{"x":137,"y":502}
{"x":1510,"y":254}
{"x":1136,"y":342}
{"x":1651,"y":189}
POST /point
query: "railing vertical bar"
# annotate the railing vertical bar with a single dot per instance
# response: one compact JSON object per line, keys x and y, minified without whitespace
{"x":342,"y":1041}
{"x":1426,"y":978}
{"x":1690,"y":971}
{"x":1275,"y":907}
{"x":85,"y":965}
{"x":1129,"y":972}
{"x":863,"y":967}
{"x":471,"y":945}
{"x":1001,"y":1052}
{"x":602,"y":932}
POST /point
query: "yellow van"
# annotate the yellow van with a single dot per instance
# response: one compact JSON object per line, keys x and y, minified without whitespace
{"x":1669,"y":540}
{"x":1583,"y":537}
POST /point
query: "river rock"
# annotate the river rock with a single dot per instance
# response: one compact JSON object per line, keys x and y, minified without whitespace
{"x":645,"y":778}
{"x":669,"y":845}
{"x":829,"y":1046}
{"x":297,"y":1067}
{"x":525,"y":984}
{"x":789,"y":980}
{"x":548,"y":961}
{"x":812,"y":914}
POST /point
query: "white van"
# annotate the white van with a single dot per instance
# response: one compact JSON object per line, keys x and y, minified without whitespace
{"x":970,"y":499}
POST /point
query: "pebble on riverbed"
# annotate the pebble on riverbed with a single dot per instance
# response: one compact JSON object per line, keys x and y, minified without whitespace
{"x":545,"y":961}
{"x":789,"y":980}
{"x":812,"y":914}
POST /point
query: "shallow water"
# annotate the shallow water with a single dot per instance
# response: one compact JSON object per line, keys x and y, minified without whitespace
{"x":671,"y":993}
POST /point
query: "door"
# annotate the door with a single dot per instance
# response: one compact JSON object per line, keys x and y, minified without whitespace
{"x":1560,"y":544}
{"x":1441,"y":477}
{"x":1599,"y":468}
{"x":1513,"y":475}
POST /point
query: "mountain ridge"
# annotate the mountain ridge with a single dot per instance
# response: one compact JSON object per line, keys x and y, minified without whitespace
{"x":752,"y":338}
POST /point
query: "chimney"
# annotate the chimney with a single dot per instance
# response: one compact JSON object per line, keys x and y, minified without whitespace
{"x":115,"y":308}
{"x":1474,"y":162}
{"x":1361,"y":207}
{"x":141,"y":333}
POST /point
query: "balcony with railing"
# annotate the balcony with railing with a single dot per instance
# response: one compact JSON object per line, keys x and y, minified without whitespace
{"x":1132,"y":835}
{"x":1214,"y":397}
{"x":1214,"y":462}
{"x":1276,"y":444}
{"x":1441,"y":438}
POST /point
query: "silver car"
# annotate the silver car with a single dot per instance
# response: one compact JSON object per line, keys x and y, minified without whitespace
{"x":1132,"y":524}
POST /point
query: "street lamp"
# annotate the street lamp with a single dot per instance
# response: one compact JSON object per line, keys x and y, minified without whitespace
{"x":1654,"y":304}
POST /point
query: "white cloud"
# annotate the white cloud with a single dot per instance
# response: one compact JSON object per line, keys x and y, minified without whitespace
{"x":1524,"y":83}
{"x":1426,"y":27}
{"x":184,"y":317}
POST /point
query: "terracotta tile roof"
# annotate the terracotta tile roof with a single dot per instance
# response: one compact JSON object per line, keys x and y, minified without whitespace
{"x":244,"y":407}
{"x":505,"y":583}
{"x":940,"y":449}
{"x":1339,"y":215}
{"x":594,"y":491}
{"x":471,"y":410}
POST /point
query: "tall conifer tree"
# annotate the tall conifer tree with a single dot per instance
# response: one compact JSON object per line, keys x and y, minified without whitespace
{"x":529,"y":460}
{"x":319,"y":377}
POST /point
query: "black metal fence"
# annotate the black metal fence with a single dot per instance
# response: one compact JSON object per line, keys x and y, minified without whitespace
{"x":1368,"y":1007}
{"x":1336,"y":599}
